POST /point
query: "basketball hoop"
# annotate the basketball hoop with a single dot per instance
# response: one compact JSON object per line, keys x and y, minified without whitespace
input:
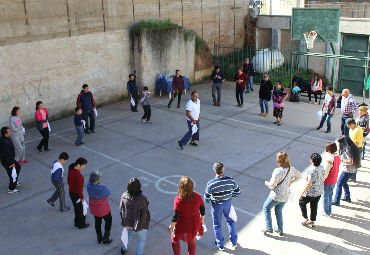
{"x":310,"y":38}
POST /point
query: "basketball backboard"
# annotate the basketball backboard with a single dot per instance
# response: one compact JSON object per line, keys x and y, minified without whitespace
{"x":325,"y":21}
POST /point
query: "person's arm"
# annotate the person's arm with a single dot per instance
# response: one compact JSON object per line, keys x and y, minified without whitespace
{"x":273,"y":182}
{"x":175,"y":216}
{"x":320,"y":85}
{"x":295,"y":174}
{"x":312,"y":81}
{"x":207,"y":194}
{"x":5,"y":155}
{"x":143,"y":212}
{"x":188,"y":113}
{"x":122,"y":210}
{"x":58,"y":176}
{"x":14,"y":127}
{"x":105,"y":191}
{"x":80,"y":183}
{"x":307,"y":187}
{"x":334,"y":101}
{"x":329,"y":165}
{"x":286,"y":96}
{"x":79,"y":100}
{"x":213,"y":75}
{"x":236,"y":190}
{"x":92,"y":100}
{"x":128,"y":88}
{"x":236,"y":77}
{"x":137,"y":87}
{"x":202,"y":211}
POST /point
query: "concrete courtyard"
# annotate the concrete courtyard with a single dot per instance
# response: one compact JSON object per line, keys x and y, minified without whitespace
{"x":122,"y":147}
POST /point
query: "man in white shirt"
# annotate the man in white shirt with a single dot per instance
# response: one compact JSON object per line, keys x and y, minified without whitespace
{"x":192,"y":118}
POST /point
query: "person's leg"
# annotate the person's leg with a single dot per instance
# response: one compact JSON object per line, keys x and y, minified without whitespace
{"x":141,"y":239}
{"x":363,"y":148}
{"x":62,"y":197}
{"x":45,"y":137}
{"x":149,"y":113}
{"x":78,"y":208}
{"x":41,"y":144}
{"x":302,"y":204}
{"x":241,"y":96}
{"x":74,"y":198}
{"x":195,"y":137}
{"x":261,"y":105}
{"x":237,"y":91}
{"x":216,"y":212}
{"x":266,"y":103}
{"x":192,"y":248}
{"x":17,"y":170}
{"x":98,"y":221}
{"x":279,"y":215}
{"x":176,"y":246}
{"x":56,"y":193}
{"x":79,"y":130}
{"x":326,"y":199}
{"x":330,"y":195}
{"x":130,"y":233}
{"x":136,"y":99}
{"x":92,"y":119}
{"x":347,"y":194}
{"x":323,"y":118}
{"x":18,"y":147}
{"x":85,"y":117}
{"x":214,"y":93}
{"x":315,"y":95}
{"x":309,"y":95}
{"x":9,"y":172}
{"x":250,"y":78}
{"x":188,"y":134}
{"x":179,"y":99}
{"x":145,"y":115}
{"x":108,"y":224}
{"x":174,"y":94}
{"x":219,"y":88}
{"x":328,"y":122}
{"x":267,"y":206}
{"x":313,"y":208}
{"x":230,"y":223}
{"x":340,"y":183}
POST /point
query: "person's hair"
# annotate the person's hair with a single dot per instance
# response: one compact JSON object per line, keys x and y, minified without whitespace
{"x":77,"y":109}
{"x":145,"y":88}
{"x":350,"y":121}
{"x":331,"y":147}
{"x":278,"y":82}
{"x":14,"y":110}
{"x":84,"y":86}
{"x":71,"y":166}
{"x":134,"y":187}
{"x":240,"y":68}
{"x":193,"y":92}
{"x":329,"y":88}
{"x":283,"y":159}
{"x":131,"y":74}
{"x":219,"y":167}
{"x":347,"y":145}
{"x":186,"y":187}
{"x":362,"y":104}
{"x":363,"y":108}
{"x":95,"y":177}
{"x":177,"y":71}
{"x":246,"y":59}
{"x":316,"y":75}
{"x":4,"y":131}
{"x":79,"y":161}
{"x":37,"y":104}
{"x":316,"y":159}
{"x":266,"y":74}
{"x":64,"y":155}
{"x":217,"y":67}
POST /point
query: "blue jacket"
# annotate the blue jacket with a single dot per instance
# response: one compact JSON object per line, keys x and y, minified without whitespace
{"x":248,"y":69}
{"x":217,"y":80}
{"x":132,"y":87}
{"x":77,"y":120}
{"x":57,"y":172}
{"x":97,"y":192}
{"x":221,"y":189}
{"x":85,"y":100}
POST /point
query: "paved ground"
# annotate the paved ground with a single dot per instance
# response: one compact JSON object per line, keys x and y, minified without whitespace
{"x":123,"y":147}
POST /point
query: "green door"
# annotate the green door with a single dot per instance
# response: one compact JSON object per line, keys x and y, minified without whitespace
{"x":352,"y":72}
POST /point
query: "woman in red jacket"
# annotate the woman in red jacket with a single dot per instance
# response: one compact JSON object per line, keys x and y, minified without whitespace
{"x":188,"y":218}
{"x":240,"y":79}
{"x":41,"y":117}
{"x":76,"y":185}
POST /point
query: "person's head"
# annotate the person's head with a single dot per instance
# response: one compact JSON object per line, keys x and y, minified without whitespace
{"x":178,"y":73}
{"x":39,"y":105}
{"x":282,"y":159}
{"x":131,"y":76}
{"x":16,"y":111}
{"x":63,"y":157}
{"x":347,"y":145}
{"x":278,"y":84}
{"x":246,"y":60}
{"x":219,"y":168}
{"x":80,"y":164}
{"x":145,"y":89}
{"x":95,"y":177}
{"x":317,"y":76}
{"x":5,"y":132}
{"x":345,"y":92}
{"x":186,"y":187}
{"x":329,"y":90}
{"x":78,"y":110}
{"x":331,"y":147}
{"x":85,"y":88}
{"x":134,"y":187}
{"x":194,"y":96}
{"x":217,"y":69}
{"x":240,"y":69}
{"x":362,"y":110}
{"x":351,"y":123}
{"x":266,"y":76}
{"x":316,"y":159}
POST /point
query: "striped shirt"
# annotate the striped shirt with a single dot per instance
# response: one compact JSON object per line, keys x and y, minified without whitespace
{"x":221,"y":189}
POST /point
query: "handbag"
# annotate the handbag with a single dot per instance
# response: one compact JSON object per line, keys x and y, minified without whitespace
{"x":284,"y":178}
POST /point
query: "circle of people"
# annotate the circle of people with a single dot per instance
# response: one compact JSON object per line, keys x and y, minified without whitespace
{"x":342,"y":158}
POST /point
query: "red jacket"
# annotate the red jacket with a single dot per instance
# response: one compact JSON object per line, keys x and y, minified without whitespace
{"x":241,"y":76}
{"x":76,"y":182}
{"x":178,"y":84}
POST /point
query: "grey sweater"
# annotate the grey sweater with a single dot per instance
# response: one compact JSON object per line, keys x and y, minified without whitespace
{"x":15,"y":124}
{"x":145,"y":98}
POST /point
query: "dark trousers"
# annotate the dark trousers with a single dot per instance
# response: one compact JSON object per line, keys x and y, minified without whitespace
{"x":316,"y":93}
{"x":343,"y":127}
{"x":313,"y":201}
{"x":239,"y":95}
{"x":45,"y":139}
{"x":78,"y":207}
{"x":86,"y":115}
{"x":12,"y":185}
{"x":108,"y":223}
{"x":178,"y":94}
{"x":216,"y":87}
{"x":188,"y":135}
{"x":135,"y":96}
{"x":147,"y":112}
{"x":58,"y":193}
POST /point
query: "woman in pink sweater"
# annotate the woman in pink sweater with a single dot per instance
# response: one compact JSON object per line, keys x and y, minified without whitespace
{"x":42,"y":124}
{"x":316,"y":87}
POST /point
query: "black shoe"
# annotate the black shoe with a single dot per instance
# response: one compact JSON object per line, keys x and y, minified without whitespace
{"x":334,"y":203}
{"x":106,"y":239}
{"x":47,"y":149}
{"x":220,"y":248}
{"x":123,"y":252}
{"x":327,"y":131}
{"x":252,"y":89}
{"x":50,"y":203}
{"x":87,"y":132}
{"x":169,"y":105}
{"x":135,"y":110}
{"x":178,"y":106}
{"x":318,"y":128}
{"x":347,"y":200}
{"x":92,"y":131}
{"x":193,"y":143}
{"x":39,"y":149}
{"x":84,"y":226}
{"x":180,"y":145}
{"x":247,"y":92}
{"x":99,"y":236}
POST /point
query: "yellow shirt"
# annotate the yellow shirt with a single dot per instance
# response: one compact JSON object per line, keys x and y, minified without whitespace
{"x":357,"y":136}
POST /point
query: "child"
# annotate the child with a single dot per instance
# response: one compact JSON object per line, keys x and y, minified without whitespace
{"x":363,"y":121}
{"x":278,"y":97}
{"x":57,"y":180}
{"x":146,"y":105}
{"x":79,"y":123}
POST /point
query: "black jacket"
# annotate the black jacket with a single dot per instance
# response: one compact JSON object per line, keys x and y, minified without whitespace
{"x":85,"y":100}
{"x":7,"y":152}
{"x":265,"y":90}
{"x":217,"y":80}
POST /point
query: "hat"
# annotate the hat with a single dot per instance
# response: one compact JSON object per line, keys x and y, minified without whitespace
{"x":246,"y":59}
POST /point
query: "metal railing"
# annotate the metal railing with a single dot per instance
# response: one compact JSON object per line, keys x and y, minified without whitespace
{"x":348,"y":9}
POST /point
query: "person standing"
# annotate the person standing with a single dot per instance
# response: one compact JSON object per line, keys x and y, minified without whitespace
{"x":146,"y":105}
{"x":188,"y":217}
{"x":133,"y":91}
{"x":42,"y":125}
{"x":249,"y":72}
{"x":363,"y":122}
{"x":350,"y":160}
{"x":79,"y":122}
{"x":328,"y":109}
{"x":279,"y":95}
{"x":220,"y":191}
{"x":135,"y":215}
{"x":192,"y":118}
{"x":316,"y":88}
{"x":99,"y":206}
{"x":177,"y":88}
{"x":348,"y":108}
{"x":85,"y":100}
{"x":217,"y":77}
{"x":76,"y":185}
{"x":265,"y":95}
{"x":17,"y":135}
{"x":7,"y":154}
{"x":331,"y":166}
{"x":356,"y":135}
{"x":240,"y":78}
{"x":282,"y":178}
{"x":313,"y":190}
{"x":57,"y":172}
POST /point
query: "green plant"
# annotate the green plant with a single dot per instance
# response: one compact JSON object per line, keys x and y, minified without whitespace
{"x":200,"y":44}
{"x":187,"y":35}
{"x":152,"y":25}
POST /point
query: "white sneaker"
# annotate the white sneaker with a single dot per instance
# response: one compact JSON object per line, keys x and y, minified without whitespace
{"x":143,"y":120}
{"x":12,"y":191}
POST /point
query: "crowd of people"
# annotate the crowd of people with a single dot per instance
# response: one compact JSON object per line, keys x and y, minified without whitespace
{"x":338,"y":166}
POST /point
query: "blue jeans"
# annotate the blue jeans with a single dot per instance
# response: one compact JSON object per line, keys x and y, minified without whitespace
{"x":141,"y":239}
{"x":79,"y":130}
{"x":189,"y":135}
{"x":249,"y":84}
{"x":217,"y":211}
{"x":267,"y":206}
{"x":363,"y":148}
{"x":342,"y":183}
{"x":343,"y":127}
{"x":265,"y":103}
{"x":324,"y":116}
{"x":327,"y":198}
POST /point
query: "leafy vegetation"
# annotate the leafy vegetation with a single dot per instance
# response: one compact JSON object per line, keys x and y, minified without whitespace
{"x":152,"y":25}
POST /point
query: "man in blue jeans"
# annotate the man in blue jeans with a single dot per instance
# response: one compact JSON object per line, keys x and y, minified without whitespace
{"x":220,"y":191}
